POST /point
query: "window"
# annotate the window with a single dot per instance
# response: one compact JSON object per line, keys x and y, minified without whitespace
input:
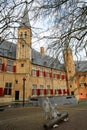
{"x":16,"y":81}
{"x":34,"y":89}
{"x":82,"y":83}
{"x":48,"y":89}
{"x":8,"y":88}
{"x":25,"y":34}
{"x":70,"y":86}
{"x":41,"y":72}
{"x":22,"y":65}
{"x":9,"y":65}
{"x":54,"y":75}
{"x":21,"y":35}
{"x":56,"y":90}
{"x":41,"y":90}
{"x":47,"y":74}
{"x":60,"y":76}
{"x":45,"y":63}
{"x":34,"y":71}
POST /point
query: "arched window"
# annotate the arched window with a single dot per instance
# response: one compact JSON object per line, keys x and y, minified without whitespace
{"x":25,"y":34}
{"x":21,"y":35}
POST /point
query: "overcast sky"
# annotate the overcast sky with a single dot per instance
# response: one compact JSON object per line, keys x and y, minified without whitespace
{"x":39,"y":28}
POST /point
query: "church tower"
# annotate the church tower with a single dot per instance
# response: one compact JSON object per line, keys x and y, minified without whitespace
{"x":23,"y":51}
{"x":70,"y":71}
{"x":24,"y":37}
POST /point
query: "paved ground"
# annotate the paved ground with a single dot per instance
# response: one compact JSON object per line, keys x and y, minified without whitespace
{"x":32,"y":118}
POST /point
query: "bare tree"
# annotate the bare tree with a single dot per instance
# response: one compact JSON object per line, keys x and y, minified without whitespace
{"x":10,"y":17}
{"x":66,"y":24}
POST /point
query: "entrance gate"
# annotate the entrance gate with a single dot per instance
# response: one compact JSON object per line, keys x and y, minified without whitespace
{"x":16,"y":95}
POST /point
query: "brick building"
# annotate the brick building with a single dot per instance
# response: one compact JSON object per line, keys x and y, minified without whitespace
{"x":23,"y":70}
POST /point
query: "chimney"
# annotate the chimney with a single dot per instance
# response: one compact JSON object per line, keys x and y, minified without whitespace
{"x":42,"y":51}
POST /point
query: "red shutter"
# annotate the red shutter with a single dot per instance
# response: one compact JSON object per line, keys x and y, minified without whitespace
{"x":85,"y":84}
{"x":14,"y":68}
{"x":3,"y":67}
{"x":44,"y":73}
{"x":1,"y":91}
{"x":58,"y":76}
{"x":59,"y":91}
{"x":64,"y":91}
{"x":63,"y":77}
{"x":51,"y":75}
{"x":38,"y":73}
{"x":67,"y":91}
{"x":7,"y":92}
{"x":38,"y":92}
{"x":51,"y":91}
{"x":45,"y":91}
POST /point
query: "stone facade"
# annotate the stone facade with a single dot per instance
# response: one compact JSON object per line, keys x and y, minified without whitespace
{"x":25,"y":72}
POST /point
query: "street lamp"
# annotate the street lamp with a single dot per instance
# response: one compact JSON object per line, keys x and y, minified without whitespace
{"x":24,"y":79}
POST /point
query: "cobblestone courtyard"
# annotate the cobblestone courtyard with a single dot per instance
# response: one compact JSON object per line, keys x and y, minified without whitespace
{"x":32,"y":118}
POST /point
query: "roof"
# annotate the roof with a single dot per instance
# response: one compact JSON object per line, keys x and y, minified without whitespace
{"x":25,"y":23}
{"x":46,"y":61}
{"x":81,"y":66}
{"x":7,"y":49}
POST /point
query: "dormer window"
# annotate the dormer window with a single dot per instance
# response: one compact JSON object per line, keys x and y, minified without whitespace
{"x":45,"y":62}
{"x":21,"y":35}
{"x":25,"y":34}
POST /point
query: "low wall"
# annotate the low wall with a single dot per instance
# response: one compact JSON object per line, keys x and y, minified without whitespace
{"x":59,"y":100}
{"x":5,"y":100}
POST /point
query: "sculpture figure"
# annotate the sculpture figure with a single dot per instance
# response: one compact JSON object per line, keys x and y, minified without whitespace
{"x":52,"y":115}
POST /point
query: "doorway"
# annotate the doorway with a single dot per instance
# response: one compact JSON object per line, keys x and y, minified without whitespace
{"x":16,"y":95}
{"x":72,"y":92}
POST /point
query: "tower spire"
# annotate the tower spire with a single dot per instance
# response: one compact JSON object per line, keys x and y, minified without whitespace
{"x":25,"y":23}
